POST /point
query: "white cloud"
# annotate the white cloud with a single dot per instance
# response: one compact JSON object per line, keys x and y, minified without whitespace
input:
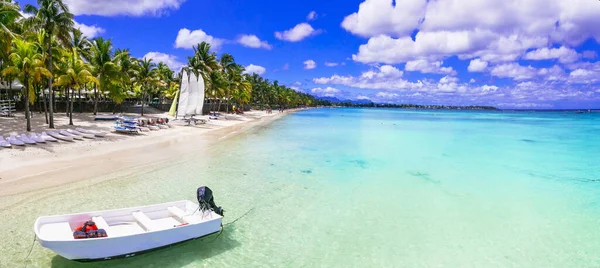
{"x":325,"y":92}
{"x":298,"y":33}
{"x":331,"y":64}
{"x":122,"y":7}
{"x":253,"y":41}
{"x":169,"y":60}
{"x":386,"y":95}
{"x":515,"y":71}
{"x":425,"y":66}
{"x":286,"y":67}
{"x":477,"y":65}
{"x":188,"y":39}
{"x":89,"y":31}
{"x":310,"y":64}
{"x":493,"y":30}
{"x":361,"y":97}
{"x":377,"y":17}
{"x":312,"y":15}
{"x":563,"y":54}
{"x":255,"y":69}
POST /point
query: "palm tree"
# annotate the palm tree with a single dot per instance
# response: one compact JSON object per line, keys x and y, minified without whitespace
{"x":26,"y":64}
{"x":54,"y":17}
{"x":106,"y":70}
{"x":9,"y":14}
{"x":203,"y":63}
{"x":76,"y":74}
{"x":146,"y":77}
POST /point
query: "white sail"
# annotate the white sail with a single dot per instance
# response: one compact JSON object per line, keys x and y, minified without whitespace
{"x":193,"y":95}
{"x":200,"y":104}
{"x":183,"y":95}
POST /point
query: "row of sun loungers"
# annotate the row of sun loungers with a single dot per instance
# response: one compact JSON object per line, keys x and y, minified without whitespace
{"x":49,"y":136}
{"x":129,"y":125}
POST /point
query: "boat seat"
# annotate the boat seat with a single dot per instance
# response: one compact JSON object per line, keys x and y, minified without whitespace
{"x":101,"y":223}
{"x":144,"y":221}
{"x":177,"y":213}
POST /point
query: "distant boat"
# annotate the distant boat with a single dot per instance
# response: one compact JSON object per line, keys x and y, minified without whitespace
{"x":36,"y":138}
{"x":65,"y":133}
{"x":85,"y":135}
{"x":191,"y":95}
{"x":93,"y":132}
{"x":14,"y":141}
{"x":25,"y":139}
{"x":129,"y":231}
{"x":4,"y":143}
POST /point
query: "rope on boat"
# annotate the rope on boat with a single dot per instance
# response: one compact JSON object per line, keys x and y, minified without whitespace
{"x":30,"y":250}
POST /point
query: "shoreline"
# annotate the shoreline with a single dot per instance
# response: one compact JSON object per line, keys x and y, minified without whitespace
{"x":53,"y":165}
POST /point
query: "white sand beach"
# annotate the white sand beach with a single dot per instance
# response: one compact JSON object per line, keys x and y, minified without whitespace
{"x":33,"y":167}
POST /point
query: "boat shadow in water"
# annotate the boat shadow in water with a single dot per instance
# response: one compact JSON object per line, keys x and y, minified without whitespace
{"x":178,"y":255}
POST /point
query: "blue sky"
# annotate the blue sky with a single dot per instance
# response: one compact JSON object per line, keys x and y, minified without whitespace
{"x":505,"y":53}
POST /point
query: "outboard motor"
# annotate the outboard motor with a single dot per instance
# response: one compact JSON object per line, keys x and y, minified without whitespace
{"x":206,"y":200}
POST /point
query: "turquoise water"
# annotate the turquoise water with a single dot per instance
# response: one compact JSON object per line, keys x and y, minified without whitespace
{"x":367,"y":188}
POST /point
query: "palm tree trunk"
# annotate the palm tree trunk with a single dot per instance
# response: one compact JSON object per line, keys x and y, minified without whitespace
{"x":45,"y":104}
{"x":71,"y":111}
{"x":143,"y":97}
{"x":49,"y":43}
{"x":67,"y":98}
{"x":96,"y":100}
{"x":79,"y":95}
{"x":27,"y":113}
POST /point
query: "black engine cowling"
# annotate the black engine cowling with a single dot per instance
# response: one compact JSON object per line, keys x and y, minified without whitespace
{"x":206,"y":200}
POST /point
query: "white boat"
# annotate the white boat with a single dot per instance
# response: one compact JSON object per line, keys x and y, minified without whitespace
{"x":85,"y":135}
{"x":99,"y":134}
{"x":130,"y":231}
{"x":36,"y":138}
{"x":161,"y":126}
{"x":58,"y":136}
{"x":65,"y":133}
{"x":46,"y":137}
{"x":153,"y":127}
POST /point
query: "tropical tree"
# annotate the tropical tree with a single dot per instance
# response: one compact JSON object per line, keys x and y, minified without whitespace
{"x":146,"y":77}
{"x":75,"y":74}
{"x":26,"y":64}
{"x":106,"y":70}
{"x":54,"y":17}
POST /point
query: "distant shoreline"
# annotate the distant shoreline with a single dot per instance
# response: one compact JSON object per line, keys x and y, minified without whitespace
{"x":468,"y":108}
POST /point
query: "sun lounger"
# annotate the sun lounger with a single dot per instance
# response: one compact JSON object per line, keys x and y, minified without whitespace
{"x":25,"y":139}
{"x":85,"y":135}
{"x":14,"y":141}
{"x":59,"y":136}
{"x":65,"y":133}
{"x":46,"y":137}
{"x":4,"y":143}
{"x":36,"y":138}
{"x":93,"y":132}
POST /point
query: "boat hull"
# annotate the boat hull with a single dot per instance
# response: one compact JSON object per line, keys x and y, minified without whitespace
{"x":123,"y":246}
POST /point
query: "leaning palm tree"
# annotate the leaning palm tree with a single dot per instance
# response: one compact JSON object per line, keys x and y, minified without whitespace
{"x":26,"y":64}
{"x":76,"y":74}
{"x":146,"y":77}
{"x":106,"y":69}
{"x":54,"y":17}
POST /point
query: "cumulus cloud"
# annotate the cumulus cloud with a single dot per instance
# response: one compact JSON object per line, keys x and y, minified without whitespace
{"x":424,"y":66}
{"x":563,"y":54}
{"x":188,"y":39}
{"x":123,"y":7}
{"x":325,"y":92}
{"x":255,"y":69}
{"x":493,"y":30}
{"x":91,"y":31}
{"x":514,"y":71}
{"x":169,"y":60}
{"x":386,"y":95}
{"x":312,"y":15}
{"x":310,"y":64}
{"x":589,"y":54}
{"x":477,"y":65}
{"x":253,"y":41}
{"x":298,"y":33}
